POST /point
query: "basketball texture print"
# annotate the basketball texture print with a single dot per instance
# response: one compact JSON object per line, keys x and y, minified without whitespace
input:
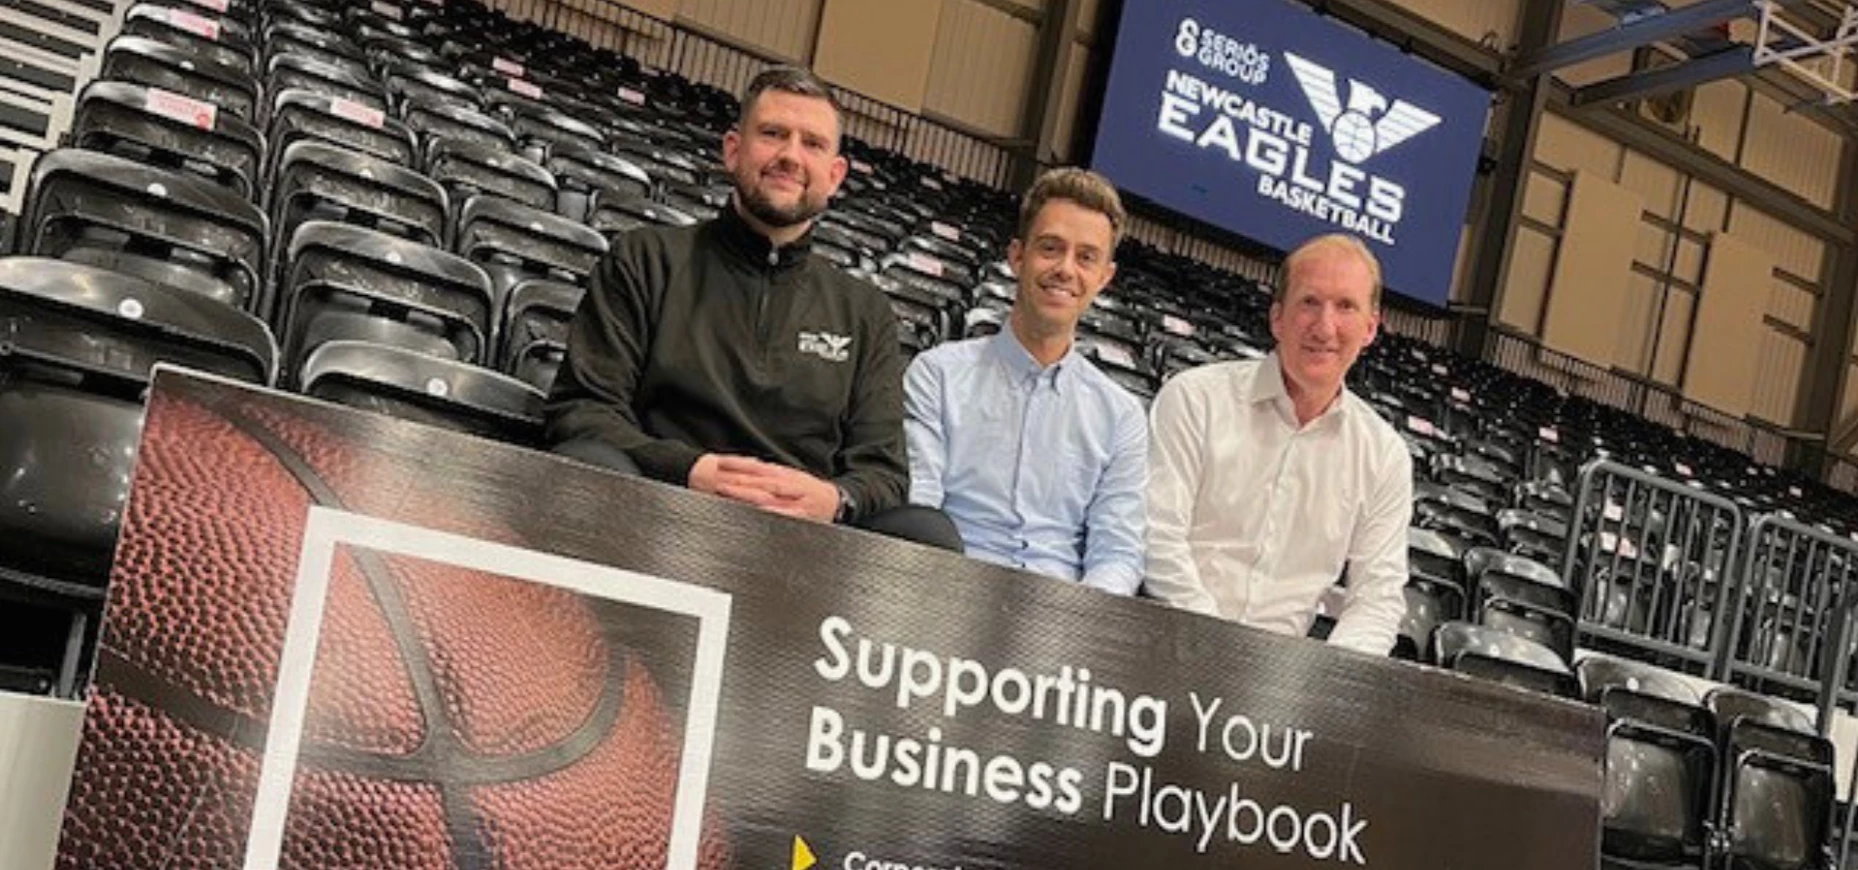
{"x":456,"y":719}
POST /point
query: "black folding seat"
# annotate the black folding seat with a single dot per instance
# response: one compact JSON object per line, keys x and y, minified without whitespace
{"x":610,"y":213}
{"x":106,"y":210}
{"x":858,"y":228}
{"x":1435,"y":590}
{"x":437,"y":122}
{"x":513,"y":243}
{"x":171,"y":131}
{"x":1503,"y":657}
{"x":540,"y":133}
{"x":1776,"y":787}
{"x":465,"y":169}
{"x":928,"y":275}
{"x":346,"y":282}
{"x":1523,"y":597}
{"x":839,"y":249}
{"x":1658,"y":806}
{"x":220,"y":40}
{"x":666,"y":165}
{"x":346,"y":80}
{"x":318,"y":181}
{"x":408,"y":84}
{"x":1454,"y":512}
{"x":581,"y":171}
{"x":424,"y":389}
{"x":1538,"y":536}
{"x":535,"y":330}
{"x":316,"y":16}
{"x":1473,"y":474}
{"x":242,"y":13}
{"x":75,"y":361}
{"x":294,"y":38}
{"x":183,"y":71}
{"x":1547,"y":498}
{"x":984,"y":318}
{"x":299,"y":114}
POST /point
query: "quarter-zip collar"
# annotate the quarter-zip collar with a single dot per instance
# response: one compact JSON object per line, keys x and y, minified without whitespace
{"x":754,"y":248}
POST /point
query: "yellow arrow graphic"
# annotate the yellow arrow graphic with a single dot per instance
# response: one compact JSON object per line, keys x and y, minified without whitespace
{"x":803,"y":855}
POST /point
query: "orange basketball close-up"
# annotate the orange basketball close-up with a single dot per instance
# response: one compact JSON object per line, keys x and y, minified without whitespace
{"x":455,"y":719}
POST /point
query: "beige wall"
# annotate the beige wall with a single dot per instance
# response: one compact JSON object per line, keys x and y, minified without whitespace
{"x":783,"y":28}
{"x":982,"y":66}
{"x":1722,"y":367}
{"x":875,"y":47}
{"x":1589,"y":290}
{"x":1660,"y":284}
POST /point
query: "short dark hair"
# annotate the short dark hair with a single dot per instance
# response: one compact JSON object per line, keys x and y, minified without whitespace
{"x":789,"y":80}
{"x":1081,"y":186}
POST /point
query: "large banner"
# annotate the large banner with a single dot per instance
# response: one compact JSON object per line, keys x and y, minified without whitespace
{"x":337,"y":640}
{"x":1267,"y":119}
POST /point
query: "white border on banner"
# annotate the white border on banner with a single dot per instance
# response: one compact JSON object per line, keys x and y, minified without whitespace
{"x":326,"y":529}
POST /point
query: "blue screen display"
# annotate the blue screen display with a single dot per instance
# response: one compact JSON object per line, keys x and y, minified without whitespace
{"x":1260,"y":117}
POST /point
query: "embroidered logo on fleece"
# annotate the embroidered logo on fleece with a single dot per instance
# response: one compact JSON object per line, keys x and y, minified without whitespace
{"x":826,"y":346}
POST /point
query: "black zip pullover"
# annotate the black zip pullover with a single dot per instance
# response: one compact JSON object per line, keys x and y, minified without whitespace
{"x":708,"y":339}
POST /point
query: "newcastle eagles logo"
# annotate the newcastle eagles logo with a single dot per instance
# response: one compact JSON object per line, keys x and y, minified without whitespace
{"x":1356,"y":131}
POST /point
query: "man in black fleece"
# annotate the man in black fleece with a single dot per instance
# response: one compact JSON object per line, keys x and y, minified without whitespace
{"x":725,"y":357}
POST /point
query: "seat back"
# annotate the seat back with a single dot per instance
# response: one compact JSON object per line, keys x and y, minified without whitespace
{"x":467,"y":169}
{"x":424,"y":389}
{"x":339,"y":274}
{"x":535,"y":330}
{"x":85,"y":199}
{"x":171,"y":131}
{"x":176,"y":69}
{"x":299,"y":114}
{"x":76,"y":347}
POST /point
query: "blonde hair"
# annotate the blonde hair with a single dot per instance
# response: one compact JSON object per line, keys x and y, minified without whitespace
{"x":1081,"y":186}
{"x":1335,"y":243}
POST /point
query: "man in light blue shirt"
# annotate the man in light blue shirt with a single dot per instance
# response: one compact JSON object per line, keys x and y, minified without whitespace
{"x":1039,"y":458}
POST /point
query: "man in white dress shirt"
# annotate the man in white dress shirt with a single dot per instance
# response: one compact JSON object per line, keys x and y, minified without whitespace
{"x":1267,"y":479}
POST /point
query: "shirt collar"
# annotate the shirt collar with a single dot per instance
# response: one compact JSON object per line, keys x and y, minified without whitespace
{"x":1020,"y":364}
{"x":753,"y":247}
{"x":1268,"y":386}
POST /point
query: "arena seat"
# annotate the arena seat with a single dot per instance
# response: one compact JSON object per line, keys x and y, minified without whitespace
{"x":345,"y":282}
{"x":315,"y":180}
{"x":1776,"y":790}
{"x":87,"y":199}
{"x":298,"y":114}
{"x":157,"y":64}
{"x":468,"y":168}
{"x":425,"y":389}
{"x":151,"y":127}
{"x":1502,"y":657}
{"x":1661,"y":765}
{"x":80,"y":343}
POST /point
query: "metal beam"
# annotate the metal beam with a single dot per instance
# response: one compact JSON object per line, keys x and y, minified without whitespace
{"x":1039,"y":121}
{"x":1663,"y":80}
{"x":1495,"y":241}
{"x":1626,"y":37}
{"x":1418,"y":35}
{"x":1822,"y":385}
{"x":1656,"y":142}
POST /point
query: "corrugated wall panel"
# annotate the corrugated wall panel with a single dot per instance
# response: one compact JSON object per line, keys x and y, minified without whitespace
{"x":1567,"y":146}
{"x":1795,"y":250}
{"x":1792,"y":151}
{"x":981,"y":66}
{"x":781,"y":27}
{"x":1717,"y":115}
{"x":1777,"y":378}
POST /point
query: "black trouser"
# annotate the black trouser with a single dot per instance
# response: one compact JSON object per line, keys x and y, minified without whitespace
{"x":922,"y":525}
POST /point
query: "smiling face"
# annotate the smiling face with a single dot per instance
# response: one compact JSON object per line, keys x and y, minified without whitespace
{"x":1062,"y":264}
{"x":784,"y":156}
{"x":1327,"y":315}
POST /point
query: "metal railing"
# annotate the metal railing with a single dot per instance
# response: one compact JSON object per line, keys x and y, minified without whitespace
{"x":1524,"y":355}
{"x":1786,"y":626}
{"x":1653,"y":562}
{"x":684,"y":50}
